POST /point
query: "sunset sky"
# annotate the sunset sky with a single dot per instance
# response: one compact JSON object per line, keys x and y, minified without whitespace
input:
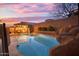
{"x":34,"y":12}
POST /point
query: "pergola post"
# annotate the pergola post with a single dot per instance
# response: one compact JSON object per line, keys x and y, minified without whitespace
{"x":4,"y":41}
{"x":78,"y":14}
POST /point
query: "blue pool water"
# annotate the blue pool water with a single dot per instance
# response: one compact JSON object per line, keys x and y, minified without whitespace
{"x":37,"y":45}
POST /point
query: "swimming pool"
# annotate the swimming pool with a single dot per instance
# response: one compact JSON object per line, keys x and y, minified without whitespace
{"x":39,"y":45}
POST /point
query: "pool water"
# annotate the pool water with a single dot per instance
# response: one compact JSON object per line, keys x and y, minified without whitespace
{"x":39,"y":45}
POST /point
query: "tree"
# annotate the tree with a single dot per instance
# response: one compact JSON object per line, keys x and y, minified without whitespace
{"x":40,"y":28}
{"x":43,"y":29}
{"x":50,"y":28}
{"x":69,"y":8}
{"x":64,"y":10}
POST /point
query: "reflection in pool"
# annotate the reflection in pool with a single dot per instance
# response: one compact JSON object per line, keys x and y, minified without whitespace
{"x":39,"y":45}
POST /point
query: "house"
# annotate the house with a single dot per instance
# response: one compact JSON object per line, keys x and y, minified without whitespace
{"x":19,"y":28}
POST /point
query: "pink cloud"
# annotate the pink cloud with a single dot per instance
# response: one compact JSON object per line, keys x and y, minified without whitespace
{"x":31,"y":7}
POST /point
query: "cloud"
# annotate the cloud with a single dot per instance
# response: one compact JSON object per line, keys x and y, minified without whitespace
{"x":30,"y":7}
{"x":25,"y":9}
{"x":16,"y":10}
